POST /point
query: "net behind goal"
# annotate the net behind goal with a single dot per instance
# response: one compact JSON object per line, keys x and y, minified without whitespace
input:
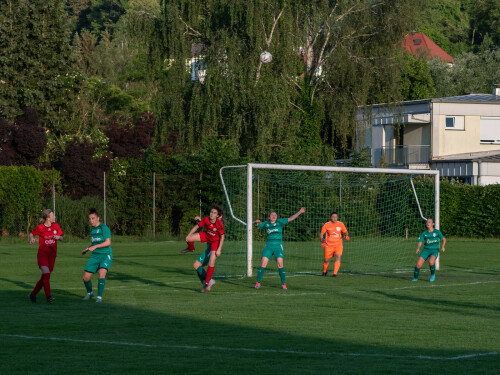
{"x":383,"y":209}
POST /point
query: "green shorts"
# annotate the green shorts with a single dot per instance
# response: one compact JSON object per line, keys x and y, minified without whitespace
{"x":97,"y":261}
{"x":427,"y":253}
{"x":204,"y":258}
{"x":273,"y":248}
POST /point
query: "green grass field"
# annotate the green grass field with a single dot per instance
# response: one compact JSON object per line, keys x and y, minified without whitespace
{"x":154,"y":320}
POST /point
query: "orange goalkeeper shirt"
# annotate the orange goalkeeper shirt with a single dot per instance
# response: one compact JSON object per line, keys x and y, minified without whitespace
{"x":333,"y":232}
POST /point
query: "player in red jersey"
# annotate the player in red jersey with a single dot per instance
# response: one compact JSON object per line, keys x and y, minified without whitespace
{"x":48,"y":233}
{"x":214,"y":237}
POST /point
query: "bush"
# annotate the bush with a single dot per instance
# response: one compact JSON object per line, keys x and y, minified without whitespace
{"x":470,"y":211}
{"x":72,"y":215}
{"x":20,"y":189}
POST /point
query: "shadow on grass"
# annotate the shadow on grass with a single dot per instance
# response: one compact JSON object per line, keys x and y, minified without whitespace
{"x":83,"y":337}
{"x":439,"y":302}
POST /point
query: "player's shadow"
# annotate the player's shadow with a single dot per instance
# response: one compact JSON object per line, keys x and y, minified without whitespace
{"x":474,"y":271}
{"x":128,"y":278}
{"x":441,"y":303}
{"x":20,"y":284}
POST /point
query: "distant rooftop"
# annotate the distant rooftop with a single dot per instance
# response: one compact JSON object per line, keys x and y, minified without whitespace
{"x":487,"y":156}
{"x":470,"y":98}
{"x":421,"y":46}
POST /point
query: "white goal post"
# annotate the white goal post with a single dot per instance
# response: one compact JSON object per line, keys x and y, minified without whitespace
{"x":251,"y":167}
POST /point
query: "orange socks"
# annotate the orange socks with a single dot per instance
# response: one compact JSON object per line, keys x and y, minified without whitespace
{"x":325,"y":266}
{"x":336,"y":266}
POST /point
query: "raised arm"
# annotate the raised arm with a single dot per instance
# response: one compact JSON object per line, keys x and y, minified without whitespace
{"x":293,"y":217}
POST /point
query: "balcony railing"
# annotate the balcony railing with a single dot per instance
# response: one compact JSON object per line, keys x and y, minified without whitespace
{"x":401,"y":156}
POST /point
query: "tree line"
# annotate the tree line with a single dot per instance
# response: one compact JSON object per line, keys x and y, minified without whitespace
{"x":176,"y":87}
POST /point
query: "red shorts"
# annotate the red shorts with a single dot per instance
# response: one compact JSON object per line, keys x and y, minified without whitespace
{"x":332,"y":250}
{"x":45,"y":260}
{"x":213,"y":245}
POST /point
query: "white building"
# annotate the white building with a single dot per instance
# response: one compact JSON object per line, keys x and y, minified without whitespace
{"x":460,"y":135}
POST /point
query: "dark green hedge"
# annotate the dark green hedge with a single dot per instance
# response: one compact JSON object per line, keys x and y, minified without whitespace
{"x":470,"y":211}
{"x":466,"y":211}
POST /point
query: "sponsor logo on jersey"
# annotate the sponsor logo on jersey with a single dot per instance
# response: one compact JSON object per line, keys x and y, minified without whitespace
{"x":338,"y":228}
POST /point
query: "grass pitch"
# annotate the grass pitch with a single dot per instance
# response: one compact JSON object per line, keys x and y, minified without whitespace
{"x":154,"y":320}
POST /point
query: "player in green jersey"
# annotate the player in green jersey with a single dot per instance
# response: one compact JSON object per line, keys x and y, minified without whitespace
{"x":274,"y":244}
{"x":101,"y":257}
{"x":430,"y":238}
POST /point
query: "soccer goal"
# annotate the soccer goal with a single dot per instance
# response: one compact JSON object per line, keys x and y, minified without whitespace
{"x":383,"y":209}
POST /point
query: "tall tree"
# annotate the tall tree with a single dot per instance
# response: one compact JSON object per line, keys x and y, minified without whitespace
{"x":471,"y":73}
{"x":36,"y":67}
{"x":328,"y":57}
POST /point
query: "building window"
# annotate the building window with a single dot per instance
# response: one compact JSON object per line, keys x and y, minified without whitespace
{"x":454,"y":123}
{"x":489,"y":132}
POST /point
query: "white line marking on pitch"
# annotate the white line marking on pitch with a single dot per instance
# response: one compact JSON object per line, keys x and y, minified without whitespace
{"x":260,"y":350}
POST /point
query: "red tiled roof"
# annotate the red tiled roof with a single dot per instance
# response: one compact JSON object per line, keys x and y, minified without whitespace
{"x":420,"y":45}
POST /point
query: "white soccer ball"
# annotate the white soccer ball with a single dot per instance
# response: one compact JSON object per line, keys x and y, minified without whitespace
{"x":266,"y":57}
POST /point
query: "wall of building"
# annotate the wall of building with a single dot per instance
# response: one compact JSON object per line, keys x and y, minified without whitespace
{"x":447,"y":142}
{"x":417,"y":135}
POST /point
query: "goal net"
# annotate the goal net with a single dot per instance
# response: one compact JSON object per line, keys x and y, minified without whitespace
{"x":384,"y":211}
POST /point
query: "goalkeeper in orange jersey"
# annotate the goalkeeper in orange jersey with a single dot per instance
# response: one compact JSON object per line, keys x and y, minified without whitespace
{"x":332,"y":244}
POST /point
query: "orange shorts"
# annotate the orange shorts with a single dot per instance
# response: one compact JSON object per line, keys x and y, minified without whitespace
{"x":332,"y":250}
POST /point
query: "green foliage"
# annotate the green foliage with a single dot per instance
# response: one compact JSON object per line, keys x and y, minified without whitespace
{"x":470,"y":211}
{"x":484,"y":21}
{"x":416,"y":79}
{"x":471,"y":73}
{"x":72,"y":215}
{"x":35,"y":60}
{"x":446,"y":22}
{"x":260,"y":105}
{"x":115,"y":99}
{"x":101,"y":15}
{"x":20,"y":204}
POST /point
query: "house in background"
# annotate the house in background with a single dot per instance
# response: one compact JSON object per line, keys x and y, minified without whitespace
{"x":459,"y":136}
{"x":421,"y":46}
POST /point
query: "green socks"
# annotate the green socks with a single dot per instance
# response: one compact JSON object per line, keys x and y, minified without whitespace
{"x":100,"y":287}
{"x":88,"y":285}
{"x":281,"y":271}
{"x":202,"y":274}
{"x":282,"y":275}
{"x":433,"y":269}
{"x":416,"y":273}
{"x":260,"y":274}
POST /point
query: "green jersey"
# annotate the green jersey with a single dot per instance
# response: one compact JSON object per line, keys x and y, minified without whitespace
{"x":431,"y":239}
{"x":98,"y":235}
{"x":274,"y":230}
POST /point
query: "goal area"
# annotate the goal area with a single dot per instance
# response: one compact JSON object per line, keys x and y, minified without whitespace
{"x":384,"y":211}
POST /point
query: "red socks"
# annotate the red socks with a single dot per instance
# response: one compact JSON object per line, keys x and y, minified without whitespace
{"x":210,"y":272}
{"x":46,"y":284}
{"x":43,"y":282}
{"x":38,"y":286}
{"x":190,"y":246}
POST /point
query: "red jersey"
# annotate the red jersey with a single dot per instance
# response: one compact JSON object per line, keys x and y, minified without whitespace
{"x":213,"y":231}
{"x":46,"y":242}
